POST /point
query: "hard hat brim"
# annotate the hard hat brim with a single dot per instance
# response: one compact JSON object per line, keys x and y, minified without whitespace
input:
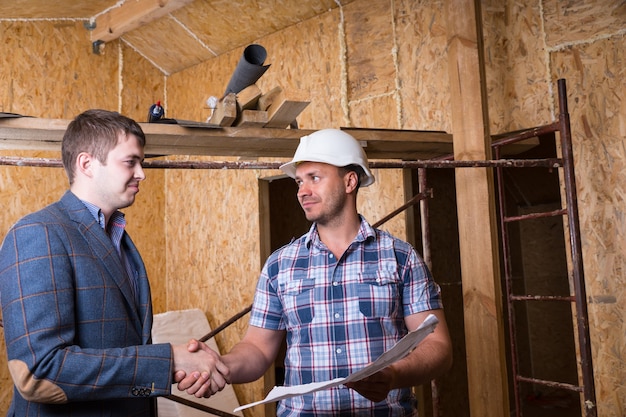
{"x":289,"y":169}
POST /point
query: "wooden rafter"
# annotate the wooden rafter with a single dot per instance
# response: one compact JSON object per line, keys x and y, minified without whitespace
{"x":131,"y":15}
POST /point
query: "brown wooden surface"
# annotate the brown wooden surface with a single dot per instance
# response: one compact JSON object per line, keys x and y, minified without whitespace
{"x":478,"y":241}
{"x":130,"y":15}
{"x":169,"y":139}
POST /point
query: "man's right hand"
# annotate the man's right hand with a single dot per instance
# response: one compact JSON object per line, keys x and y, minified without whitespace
{"x":199,"y":372}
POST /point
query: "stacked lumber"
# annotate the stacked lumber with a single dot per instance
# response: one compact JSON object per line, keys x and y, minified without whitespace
{"x":251,"y":108}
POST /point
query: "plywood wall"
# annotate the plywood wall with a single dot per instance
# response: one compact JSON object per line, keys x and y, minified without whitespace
{"x":367,"y":64}
{"x":595,"y":71}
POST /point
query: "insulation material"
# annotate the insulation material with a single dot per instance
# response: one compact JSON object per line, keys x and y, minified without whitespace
{"x":177,"y":327}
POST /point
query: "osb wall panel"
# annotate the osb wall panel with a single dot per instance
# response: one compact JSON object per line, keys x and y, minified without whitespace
{"x":212,"y":226}
{"x":573,"y":21}
{"x":51,"y":71}
{"x":370,"y":65}
{"x":518,"y":86}
{"x":308,"y":58}
{"x":141,"y":84}
{"x":595,"y":74}
{"x":200,"y":272}
{"x":310,"y":66}
{"x":421,"y":43}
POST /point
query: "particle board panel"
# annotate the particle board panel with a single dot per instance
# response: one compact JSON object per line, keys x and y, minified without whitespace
{"x":143,"y":85}
{"x":370,"y":65}
{"x":422,"y":65}
{"x":213,"y":250}
{"x":307,"y":57}
{"x":377,"y":202}
{"x":44,"y":9}
{"x":183,"y":48}
{"x":379,"y":112}
{"x":496,"y":39}
{"x":596,"y":74}
{"x":189,"y":90}
{"x":259,"y":18}
{"x":580,"y":20}
{"x":35,"y":80}
{"x":516,"y":75}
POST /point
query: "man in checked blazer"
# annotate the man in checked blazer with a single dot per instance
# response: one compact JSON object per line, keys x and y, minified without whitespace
{"x":75,"y":296}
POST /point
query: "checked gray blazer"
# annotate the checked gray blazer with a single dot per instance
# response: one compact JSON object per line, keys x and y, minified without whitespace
{"x":78,"y":343}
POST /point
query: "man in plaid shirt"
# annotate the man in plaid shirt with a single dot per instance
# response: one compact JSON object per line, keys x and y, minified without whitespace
{"x":342,"y":294}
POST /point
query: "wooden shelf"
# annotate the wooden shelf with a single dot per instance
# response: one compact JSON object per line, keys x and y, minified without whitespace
{"x":28,"y":133}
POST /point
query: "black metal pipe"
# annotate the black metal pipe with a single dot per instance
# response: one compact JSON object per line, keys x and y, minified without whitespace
{"x":576,"y":250}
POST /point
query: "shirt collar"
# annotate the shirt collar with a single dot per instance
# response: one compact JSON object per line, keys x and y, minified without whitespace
{"x":116,"y":219}
{"x":366,"y":232}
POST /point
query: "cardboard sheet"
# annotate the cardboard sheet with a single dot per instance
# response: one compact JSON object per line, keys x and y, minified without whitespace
{"x":178,"y":327}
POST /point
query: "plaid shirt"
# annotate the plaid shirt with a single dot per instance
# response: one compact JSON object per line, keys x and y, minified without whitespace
{"x":340,"y":315}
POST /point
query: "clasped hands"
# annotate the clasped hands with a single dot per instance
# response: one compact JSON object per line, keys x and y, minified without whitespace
{"x":210,"y":375}
{"x":199,"y":370}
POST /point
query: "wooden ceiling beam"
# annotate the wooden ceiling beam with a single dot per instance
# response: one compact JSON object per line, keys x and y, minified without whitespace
{"x":131,"y":15}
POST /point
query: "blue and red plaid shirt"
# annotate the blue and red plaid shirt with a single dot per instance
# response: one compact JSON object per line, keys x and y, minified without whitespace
{"x":342,"y":314}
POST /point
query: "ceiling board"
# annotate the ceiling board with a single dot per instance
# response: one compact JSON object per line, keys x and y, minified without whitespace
{"x":187,"y":36}
{"x":59,"y":9}
{"x":168,"y":45}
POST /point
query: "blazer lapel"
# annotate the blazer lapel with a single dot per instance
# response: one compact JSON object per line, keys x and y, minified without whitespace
{"x":101,"y":245}
{"x":144,"y":297}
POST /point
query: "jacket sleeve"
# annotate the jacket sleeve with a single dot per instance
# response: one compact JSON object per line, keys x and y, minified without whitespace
{"x":66,"y":324}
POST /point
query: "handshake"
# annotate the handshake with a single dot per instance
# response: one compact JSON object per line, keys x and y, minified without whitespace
{"x":199,"y":370}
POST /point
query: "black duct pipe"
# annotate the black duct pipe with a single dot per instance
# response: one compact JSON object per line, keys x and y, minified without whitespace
{"x":249,"y":69}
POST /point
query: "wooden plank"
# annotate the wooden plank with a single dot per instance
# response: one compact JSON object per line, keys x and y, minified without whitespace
{"x":170,"y":139}
{"x":480,"y":270}
{"x":131,"y":15}
{"x":285,"y":109}
{"x":266,"y":100}
{"x":252,"y":118}
{"x":46,"y":134}
{"x":226,"y":111}
{"x":32,"y":133}
{"x":248,"y":98}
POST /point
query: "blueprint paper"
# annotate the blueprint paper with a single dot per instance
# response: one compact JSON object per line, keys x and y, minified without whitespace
{"x":397,"y":352}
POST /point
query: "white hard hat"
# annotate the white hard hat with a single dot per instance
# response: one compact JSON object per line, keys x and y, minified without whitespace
{"x":330,"y":146}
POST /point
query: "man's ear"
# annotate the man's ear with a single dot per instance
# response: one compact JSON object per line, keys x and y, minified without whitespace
{"x":84,"y":164}
{"x":351,"y":181}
